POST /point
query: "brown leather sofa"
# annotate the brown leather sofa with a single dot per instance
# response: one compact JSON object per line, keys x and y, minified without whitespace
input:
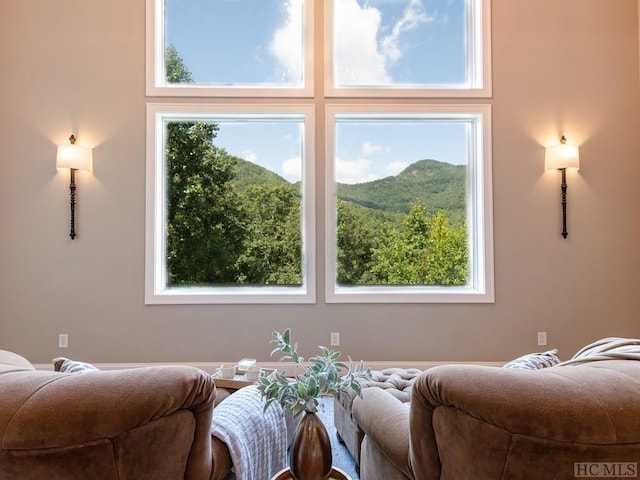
{"x":482,"y":422}
{"x":133,"y":424}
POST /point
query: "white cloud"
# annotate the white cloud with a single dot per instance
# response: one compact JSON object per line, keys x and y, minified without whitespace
{"x":396,"y":167}
{"x":292,"y":169}
{"x":360,"y":60}
{"x":368,"y":148}
{"x":250,"y":156}
{"x":354,"y":171}
{"x":412,"y":17}
{"x":286,"y":44}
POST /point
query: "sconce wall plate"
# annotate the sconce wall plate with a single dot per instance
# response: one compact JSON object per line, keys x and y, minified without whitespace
{"x":74,"y":157}
{"x":561,"y":157}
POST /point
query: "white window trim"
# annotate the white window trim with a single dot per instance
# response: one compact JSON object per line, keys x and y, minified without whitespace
{"x":479,"y":205}
{"x":155,"y":256}
{"x":156,"y":85}
{"x":478,"y":27}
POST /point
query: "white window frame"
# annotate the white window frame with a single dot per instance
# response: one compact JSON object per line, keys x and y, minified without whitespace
{"x":156,"y":290}
{"x":157,"y":86}
{"x":478,"y":34}
{"x":280,"y":99}
{"x":479,"y":211}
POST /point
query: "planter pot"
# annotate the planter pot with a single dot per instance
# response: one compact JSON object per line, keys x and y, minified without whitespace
{"x":310,"y":457}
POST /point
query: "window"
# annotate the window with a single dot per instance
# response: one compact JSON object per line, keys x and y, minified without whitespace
{"x":407,"y":193}
{"x":408,"y":188}
{"x":408,"y":48}
{"x":232,"y":48}
{"x":229,"y":189}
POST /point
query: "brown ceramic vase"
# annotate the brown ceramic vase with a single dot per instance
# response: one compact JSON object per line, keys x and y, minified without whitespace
{"x":310,"y":457}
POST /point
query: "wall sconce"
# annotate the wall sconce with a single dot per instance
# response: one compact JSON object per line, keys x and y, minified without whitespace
{"x":74,"y":157}
{"x":561,"y":157}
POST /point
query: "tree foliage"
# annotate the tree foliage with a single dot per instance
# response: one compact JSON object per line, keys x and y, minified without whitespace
{"x":271,"y":253}
{"x":354,"y":244}
{"x":205,"y":221}
{"x":423,"y":250}
{"x":205,"y":226}
{"x":176,"y":70}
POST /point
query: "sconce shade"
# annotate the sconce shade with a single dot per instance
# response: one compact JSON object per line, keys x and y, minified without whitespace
{"x":562,"y":155}
{"x":74,"y":156}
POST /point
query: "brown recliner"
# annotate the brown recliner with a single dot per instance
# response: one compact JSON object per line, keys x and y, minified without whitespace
{"x":131,"y":424}
{"x":491,"y":423}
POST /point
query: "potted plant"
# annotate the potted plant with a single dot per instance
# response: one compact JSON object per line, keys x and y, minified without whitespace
{"x":310,"y":451}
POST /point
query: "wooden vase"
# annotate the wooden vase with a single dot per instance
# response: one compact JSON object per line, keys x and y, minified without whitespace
{"x":310,"y":451}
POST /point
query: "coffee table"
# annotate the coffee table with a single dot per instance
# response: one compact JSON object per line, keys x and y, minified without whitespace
{"x":336,"y":474}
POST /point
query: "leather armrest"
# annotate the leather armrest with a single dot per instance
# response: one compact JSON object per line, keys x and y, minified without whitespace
{"x":591,"y":404}
{"x":52,"y":409}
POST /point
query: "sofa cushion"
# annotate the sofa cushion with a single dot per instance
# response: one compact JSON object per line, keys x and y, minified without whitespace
{"x":534,"y":361}
{"x":396,"y":381}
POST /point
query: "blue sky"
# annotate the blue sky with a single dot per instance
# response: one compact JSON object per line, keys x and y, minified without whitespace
{"x":369,"y":151}
{"x":377,"y":42}
{"x":273,"y":145}
{"x":238,"y":41}
{"x":365,"y":151}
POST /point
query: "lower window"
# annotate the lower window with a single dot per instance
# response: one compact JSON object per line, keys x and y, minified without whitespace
{"x":231,"y":213}
{"x":409,"y":204}
{"x":228,"y":212}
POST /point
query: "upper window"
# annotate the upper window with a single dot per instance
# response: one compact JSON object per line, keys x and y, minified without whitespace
{"x":412,"y":48}
{"x":374,"y":48}
{"x":230,"y":48}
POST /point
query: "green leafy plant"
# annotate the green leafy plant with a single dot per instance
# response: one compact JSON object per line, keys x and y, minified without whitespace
{"x":317,"y":378}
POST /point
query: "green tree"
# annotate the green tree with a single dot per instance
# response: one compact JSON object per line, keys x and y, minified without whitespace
{"x":205,"y":228}
{"x":392,"y":263}
{"x":425,"y":251}
{"x":447,"y":253}
{"x":272,"y":248}
{"x":176,"y":70}
{"x":354,"y":244}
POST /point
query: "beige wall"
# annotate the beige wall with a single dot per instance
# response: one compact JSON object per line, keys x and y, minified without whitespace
{"x":558,"y":67}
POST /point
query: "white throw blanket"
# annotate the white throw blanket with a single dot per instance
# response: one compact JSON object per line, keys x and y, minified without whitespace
{"x":257,"y":442}
{"x":611,"y":348}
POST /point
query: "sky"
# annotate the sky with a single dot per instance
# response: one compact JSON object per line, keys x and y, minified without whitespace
{"x":377,"y":42}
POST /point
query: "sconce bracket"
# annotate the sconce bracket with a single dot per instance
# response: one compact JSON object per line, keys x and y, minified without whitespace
{"x":72,"y":203}
{"x":563,"y":187}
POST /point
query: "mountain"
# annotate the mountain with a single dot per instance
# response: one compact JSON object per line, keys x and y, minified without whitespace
{"x":248,"y":173}
{"x":437,"y":185}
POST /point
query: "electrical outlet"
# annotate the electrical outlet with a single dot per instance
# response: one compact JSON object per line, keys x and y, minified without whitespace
{"x":63,"y":340}
{"x":335,"y":339}
{"x":542,"y":338}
